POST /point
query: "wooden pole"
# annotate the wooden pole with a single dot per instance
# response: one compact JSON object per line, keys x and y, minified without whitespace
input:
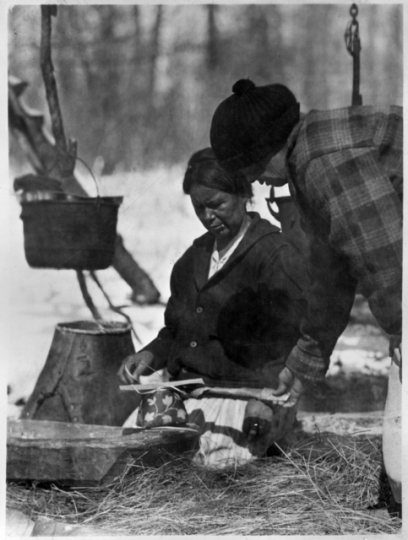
{"x":66,"y":152}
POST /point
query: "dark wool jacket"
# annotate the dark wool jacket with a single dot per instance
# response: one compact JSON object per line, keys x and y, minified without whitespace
{"x":246,"y":315}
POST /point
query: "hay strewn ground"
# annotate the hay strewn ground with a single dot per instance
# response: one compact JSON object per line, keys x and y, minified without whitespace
{"x":298,"y":493}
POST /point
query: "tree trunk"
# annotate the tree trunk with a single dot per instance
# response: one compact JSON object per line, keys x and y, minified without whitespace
{"x":64,"y":163}
{"x":154,"y":51}
{"x":138,"y":29}
{"x":150,"y":89}
{"x":212,"y":38}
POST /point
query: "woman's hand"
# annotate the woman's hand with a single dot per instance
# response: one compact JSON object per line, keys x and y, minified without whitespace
{"x":289,"y":383}
{"x":134,"y":366}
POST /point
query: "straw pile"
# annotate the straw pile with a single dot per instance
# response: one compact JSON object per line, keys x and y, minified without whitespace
{"x":298,"y":493}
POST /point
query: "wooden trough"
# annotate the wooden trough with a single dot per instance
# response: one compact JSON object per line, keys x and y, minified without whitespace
{"x":79,"y":454}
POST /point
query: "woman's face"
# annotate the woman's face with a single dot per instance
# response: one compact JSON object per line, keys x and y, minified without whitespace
{"x":221,"y":213}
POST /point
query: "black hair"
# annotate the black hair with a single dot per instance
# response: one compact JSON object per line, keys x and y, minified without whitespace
{"x":203,"y":169}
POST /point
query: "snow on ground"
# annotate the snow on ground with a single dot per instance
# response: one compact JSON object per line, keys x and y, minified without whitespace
{"x":362,"y":348}
{"x":157,"y":223}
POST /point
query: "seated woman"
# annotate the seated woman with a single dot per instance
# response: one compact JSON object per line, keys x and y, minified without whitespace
{"x":237,"y":299}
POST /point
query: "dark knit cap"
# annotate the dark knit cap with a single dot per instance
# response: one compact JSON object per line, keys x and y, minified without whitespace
{"x":252,"y":123}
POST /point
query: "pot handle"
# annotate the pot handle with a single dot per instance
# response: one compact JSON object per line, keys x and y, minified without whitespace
{"x":92,"y":174}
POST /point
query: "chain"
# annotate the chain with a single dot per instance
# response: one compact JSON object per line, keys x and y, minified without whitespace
{"x":352,"y":35}
{"x":353,"y":45}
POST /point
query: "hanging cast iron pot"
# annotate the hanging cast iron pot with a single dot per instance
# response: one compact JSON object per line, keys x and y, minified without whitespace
{"x":68,"y":231}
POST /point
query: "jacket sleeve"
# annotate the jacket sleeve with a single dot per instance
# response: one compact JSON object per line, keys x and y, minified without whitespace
{"x":330,"y":298}
{"x":286,"y":273}
{"x":260,"y":324}
{"x":280,"y":305}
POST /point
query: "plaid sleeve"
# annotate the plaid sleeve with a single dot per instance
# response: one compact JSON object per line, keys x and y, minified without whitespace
{"x":365,"y":218}
{"x":360,"y":220}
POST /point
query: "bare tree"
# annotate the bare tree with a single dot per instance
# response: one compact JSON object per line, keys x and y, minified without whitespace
{"x":153,"y":57}
{"x":212,"y":38}
{"x":111,"y":56}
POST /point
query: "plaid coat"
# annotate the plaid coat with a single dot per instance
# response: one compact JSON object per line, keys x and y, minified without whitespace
{"x":346,"y":178}
{"x":227,"y":328}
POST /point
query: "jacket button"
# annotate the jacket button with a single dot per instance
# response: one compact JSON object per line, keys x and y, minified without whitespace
{"x":199,"y":309}
{"x":193,"y":344}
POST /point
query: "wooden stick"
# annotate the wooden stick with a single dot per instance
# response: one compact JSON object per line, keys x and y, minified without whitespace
{"x":154,"y":386}
{"x":112,"y":307}
{"x":50,"y":84}
{"x":66,"y":151}
{"x":263,"y":394}
{"x":86,"y":296}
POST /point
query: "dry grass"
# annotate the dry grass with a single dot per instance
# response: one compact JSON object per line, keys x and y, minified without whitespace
{"x":299,"y":493}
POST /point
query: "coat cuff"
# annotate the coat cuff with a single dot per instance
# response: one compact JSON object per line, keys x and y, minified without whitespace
{"x":307,"y":366}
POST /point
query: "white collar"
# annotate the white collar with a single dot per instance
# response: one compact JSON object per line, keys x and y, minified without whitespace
{"x":219,"y":258}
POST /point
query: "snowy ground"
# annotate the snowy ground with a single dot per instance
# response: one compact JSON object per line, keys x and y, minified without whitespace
{"x":157,"y":223}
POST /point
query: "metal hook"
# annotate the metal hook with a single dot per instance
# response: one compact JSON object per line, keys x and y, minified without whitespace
{"x":353,"y":11}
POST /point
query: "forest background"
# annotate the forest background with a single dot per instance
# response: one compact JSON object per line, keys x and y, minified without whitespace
{"x":138,"y":85}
